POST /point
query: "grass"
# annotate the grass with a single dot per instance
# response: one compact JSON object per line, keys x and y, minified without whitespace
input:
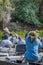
{"x":1,"y":33}
{"x":22,"y":33}
{"x":40,"y":32}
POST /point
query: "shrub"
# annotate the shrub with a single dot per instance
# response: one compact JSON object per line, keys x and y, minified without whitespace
{"x":13,"y":27}
{"x":40,"y":32}
{"x":1,"y":33}
{"x":27,"y":11}
{"x":22,"y":33}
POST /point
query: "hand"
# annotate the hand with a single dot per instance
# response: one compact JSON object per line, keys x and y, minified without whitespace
{"x":23,"y":59}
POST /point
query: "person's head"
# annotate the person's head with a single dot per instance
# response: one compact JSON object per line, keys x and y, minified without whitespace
{"x":16,"y":35}
{"x":32,"y":35}
{"x":5,"y":37}
{"x":19,"y":38}
{"x":11,"y":34}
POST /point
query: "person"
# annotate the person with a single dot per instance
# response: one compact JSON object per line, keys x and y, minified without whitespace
{"x":11,"y":38}
{"x":5,"y":42}
{"x":21,"y":41}
{"x":41,"y":40}
{"x":15,"y":39}
{"x":32,"y":45}
{"x":26,"y":34}
{"x":6,"y":32}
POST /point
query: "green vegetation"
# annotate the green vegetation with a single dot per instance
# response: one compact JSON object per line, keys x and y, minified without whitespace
{"x":40,"y":32}
{"x":22,"y":33}
{"x":13,"y":27}
{"x":1,"y":33}
{"x":27,"y":11}
{"x":41,"y":12}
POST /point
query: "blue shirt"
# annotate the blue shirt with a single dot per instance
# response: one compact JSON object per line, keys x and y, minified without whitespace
{"x":21,"y":42}
{"x":32,"y":49}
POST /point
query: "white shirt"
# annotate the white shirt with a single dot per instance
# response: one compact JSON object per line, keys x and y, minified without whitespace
{"x":6,"y":42}
{"x":15,"y":40}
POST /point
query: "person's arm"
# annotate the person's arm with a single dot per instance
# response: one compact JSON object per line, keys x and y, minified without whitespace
{"x":26,"y":39}
{"x":40,"y":44}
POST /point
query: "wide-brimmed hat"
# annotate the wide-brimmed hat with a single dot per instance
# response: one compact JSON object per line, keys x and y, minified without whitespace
{"x":6,"y":30}
{"x":33,"y":33}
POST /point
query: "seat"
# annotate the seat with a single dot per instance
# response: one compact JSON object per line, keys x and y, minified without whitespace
{"x":20,"y":49}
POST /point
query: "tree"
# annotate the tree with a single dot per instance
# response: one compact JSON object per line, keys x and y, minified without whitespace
{"x":27,"y":11}
{"x":5,"y":12}
{"x":41,"y":12}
